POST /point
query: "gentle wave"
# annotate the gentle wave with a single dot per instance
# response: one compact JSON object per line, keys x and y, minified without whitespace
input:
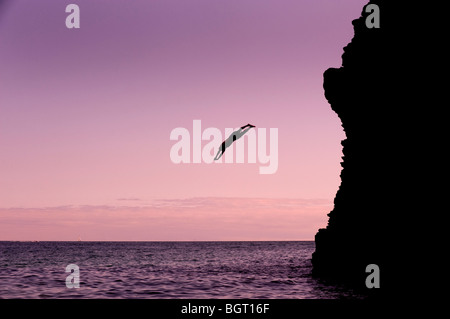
{"x":191,"y":270}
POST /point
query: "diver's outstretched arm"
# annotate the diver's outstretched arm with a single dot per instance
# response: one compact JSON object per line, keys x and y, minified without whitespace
{"x":220,"y":151}
{"x":219,"y":154}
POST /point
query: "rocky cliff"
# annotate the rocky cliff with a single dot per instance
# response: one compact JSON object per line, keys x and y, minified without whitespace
{"x":369,"y":95}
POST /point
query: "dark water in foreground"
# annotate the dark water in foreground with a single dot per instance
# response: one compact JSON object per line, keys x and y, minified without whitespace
{"x":211,"y":270}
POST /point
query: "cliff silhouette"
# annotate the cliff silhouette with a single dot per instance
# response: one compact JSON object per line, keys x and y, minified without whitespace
{"x":371,"y":96}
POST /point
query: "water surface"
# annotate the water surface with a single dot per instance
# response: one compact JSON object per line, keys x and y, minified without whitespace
{"x":212,"y":270}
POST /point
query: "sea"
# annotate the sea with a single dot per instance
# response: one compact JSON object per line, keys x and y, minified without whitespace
{"x":163,"y":270}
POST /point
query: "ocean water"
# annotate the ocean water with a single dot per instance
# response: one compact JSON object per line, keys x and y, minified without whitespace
{"x":175,"y":270}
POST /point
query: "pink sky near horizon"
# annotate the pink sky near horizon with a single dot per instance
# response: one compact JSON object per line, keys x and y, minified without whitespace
{"x":86,"y":115}
{"x":194,"y":219}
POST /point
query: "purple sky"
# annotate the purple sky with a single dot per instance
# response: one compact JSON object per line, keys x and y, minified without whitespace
{"x":86,"y":114}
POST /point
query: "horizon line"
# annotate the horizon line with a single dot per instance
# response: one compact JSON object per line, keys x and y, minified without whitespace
{"x":151,"y":241}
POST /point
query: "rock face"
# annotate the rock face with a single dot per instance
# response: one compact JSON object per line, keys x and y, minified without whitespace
{"x":367,"y":95}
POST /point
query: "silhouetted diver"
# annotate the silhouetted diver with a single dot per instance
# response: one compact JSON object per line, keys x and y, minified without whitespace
{"x":233,"y":137}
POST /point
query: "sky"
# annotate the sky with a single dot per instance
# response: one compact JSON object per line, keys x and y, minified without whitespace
{"x":86,"y":116}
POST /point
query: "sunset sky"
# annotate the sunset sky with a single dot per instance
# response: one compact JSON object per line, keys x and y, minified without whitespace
{"x":86,"y":115}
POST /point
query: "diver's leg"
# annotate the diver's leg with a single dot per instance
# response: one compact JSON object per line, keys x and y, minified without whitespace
{"x":245,"y":131}
{"x":248,"y":125}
